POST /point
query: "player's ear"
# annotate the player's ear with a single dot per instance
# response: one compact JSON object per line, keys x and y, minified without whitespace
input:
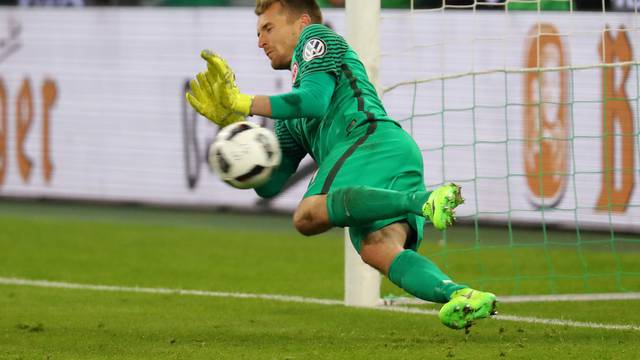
{"x":305,"y":20}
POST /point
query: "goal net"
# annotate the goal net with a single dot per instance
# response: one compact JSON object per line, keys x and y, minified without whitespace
{"x":535,"y":113}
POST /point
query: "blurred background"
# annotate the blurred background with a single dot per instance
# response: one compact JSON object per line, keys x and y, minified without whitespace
{"x":591,"y":5}
{"x":532,"y":106}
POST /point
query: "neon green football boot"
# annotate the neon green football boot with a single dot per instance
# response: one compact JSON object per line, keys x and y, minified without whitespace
{"x":441,"y":204}
{"x":467,"y":305}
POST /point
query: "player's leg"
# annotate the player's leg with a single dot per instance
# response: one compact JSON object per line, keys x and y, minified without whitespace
{"x":386,"y":250}
{"x":360,"y":205}
{"x":381,"y":178}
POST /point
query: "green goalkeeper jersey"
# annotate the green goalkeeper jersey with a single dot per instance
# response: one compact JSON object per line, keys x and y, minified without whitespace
{"x":353,"y":102}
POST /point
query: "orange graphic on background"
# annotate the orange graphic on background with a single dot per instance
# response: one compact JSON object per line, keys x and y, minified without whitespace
{"x":24,"y":119}
{"x":545,"y":116}
{"x":616,"y":110}
{"x":49,"y":94}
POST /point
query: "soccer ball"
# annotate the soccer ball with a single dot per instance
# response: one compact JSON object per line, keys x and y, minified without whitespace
{"x":244,"y":154}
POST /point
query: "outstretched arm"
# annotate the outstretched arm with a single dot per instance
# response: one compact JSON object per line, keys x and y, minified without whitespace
{"x":311,"y":99}
{"x":214,"y":95}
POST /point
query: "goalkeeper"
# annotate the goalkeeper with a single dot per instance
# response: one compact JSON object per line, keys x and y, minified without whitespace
{"x":370,"y":171}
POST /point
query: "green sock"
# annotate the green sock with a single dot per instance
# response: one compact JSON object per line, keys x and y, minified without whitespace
{"x":421,"y":278}
{"x":360,"y":205}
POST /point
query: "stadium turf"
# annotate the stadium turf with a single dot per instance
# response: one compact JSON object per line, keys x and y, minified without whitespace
{"x":154,"y":248}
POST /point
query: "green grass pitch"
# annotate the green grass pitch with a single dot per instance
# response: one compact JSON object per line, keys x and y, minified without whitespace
{"x":152,"y":248}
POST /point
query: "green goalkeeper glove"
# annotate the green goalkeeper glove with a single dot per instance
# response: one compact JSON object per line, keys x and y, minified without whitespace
{"x":215,"y":95}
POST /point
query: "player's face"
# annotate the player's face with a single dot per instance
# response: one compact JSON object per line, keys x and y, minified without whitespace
{"x":278,"y":33}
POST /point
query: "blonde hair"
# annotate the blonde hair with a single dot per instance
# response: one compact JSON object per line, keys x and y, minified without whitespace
{"x":293,"y":7}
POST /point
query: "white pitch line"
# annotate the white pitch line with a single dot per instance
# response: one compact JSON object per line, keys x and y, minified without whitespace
{"x":135,"y":289}
{"x":296,"y":299}
{"x":524,"y":319}
{"x":542,"y":298}
{"x":570,"y":297}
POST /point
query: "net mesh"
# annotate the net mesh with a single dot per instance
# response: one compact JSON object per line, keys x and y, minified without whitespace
{"x":535,"y":114}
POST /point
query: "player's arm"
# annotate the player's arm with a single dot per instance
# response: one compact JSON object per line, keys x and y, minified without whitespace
{"x":310,"y":100}
{"x":292,"y":154}
{"x":215,"y":95}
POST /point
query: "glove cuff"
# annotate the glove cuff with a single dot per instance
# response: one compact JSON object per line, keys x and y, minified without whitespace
{"x":243,"y":104}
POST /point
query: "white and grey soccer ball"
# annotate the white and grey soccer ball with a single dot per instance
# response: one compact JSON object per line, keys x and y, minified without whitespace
{"x":244,"y":154}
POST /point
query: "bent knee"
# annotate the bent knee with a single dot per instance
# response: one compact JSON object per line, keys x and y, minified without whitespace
{"x":303,"y":222}
{"x":368,"y":254}
{"x":310,"y":218}
{"x":380,"y":248}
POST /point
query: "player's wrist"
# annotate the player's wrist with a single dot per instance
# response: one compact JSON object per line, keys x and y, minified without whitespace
{"x":243,"y":104}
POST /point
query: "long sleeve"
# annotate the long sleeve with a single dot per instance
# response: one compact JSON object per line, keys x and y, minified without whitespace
{"x":292,"y":154}
{"x":311,"y":99}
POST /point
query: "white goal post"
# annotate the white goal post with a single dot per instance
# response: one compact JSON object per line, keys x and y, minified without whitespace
{"x":362,"y":282}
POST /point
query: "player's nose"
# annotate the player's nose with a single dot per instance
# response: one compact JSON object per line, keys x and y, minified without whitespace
{"x":261,"y":42}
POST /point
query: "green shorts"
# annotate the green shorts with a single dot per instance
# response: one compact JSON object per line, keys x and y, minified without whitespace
{"x":381,"y":155}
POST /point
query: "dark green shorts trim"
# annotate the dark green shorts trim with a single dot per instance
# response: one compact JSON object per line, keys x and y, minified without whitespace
{"x":334,"y":170}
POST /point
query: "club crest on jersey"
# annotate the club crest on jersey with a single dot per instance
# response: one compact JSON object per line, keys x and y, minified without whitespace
{"x":294,"y":71}
{"x":314,"y":48}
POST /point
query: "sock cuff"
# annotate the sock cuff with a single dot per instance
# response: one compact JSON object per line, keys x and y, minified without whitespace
{"x":334,"y":210}
{"x":450,"y":288}
{"x":417,"y":200}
